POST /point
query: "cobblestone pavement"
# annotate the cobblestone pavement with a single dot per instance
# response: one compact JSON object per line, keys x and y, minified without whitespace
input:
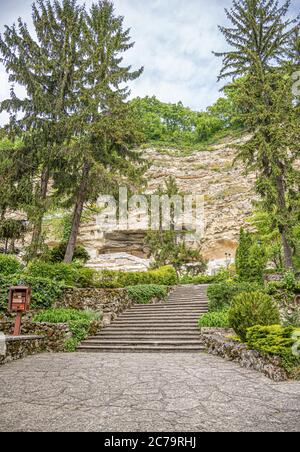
{"x":142,"y":392}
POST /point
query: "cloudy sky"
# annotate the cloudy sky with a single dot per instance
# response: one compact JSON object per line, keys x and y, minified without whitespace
{"x":174,"y":42}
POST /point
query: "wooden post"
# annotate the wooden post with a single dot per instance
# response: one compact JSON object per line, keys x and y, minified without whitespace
{"x":17,"y":328}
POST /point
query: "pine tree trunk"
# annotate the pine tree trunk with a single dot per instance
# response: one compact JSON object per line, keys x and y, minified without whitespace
{"x":41,"y":198}
{"x":81,"y":197}
{"x":6,"y":246}
{"x":283,"y":228}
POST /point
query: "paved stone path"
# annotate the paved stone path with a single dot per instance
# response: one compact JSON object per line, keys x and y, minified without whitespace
{"x":142,"y":392}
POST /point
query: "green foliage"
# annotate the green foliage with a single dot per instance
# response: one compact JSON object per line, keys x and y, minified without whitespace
{"x":11,"y":230}
{"x":215,"y":319}
{"x":198,"y":279}
{"x":269,"y":236}
{"x":251,"y":259}
{"x":9,"y":265}
{"x":220,"y":295}
{"x":289,"y":281}
{"x":68,"y":274}
{"x":292,"y":318}
{"x":174,"y":124}
{"x":274,"y":340}
{"x":79,"y":323}
{"x":78,"y":129}
{"x":165,"y":276}
{"x":62,"y":315}
{"x":252,"y":308}
{"x":169,"y":247}
{"x":57,"y":254}
{"x":143,"y":294}
{"x":261,"y":70}
{"x":284,"y":291}
{"x":44,"y":290}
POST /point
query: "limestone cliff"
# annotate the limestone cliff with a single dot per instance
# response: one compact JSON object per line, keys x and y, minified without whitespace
{"x":228,"y":200}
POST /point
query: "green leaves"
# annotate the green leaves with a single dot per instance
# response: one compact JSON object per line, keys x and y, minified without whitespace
{"x":143,"y":294}
{"x":261,"y":39}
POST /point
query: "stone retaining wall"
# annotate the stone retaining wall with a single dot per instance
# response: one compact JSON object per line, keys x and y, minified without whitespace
{"x":20,"y":347}
{"x":52,"y":337}
{"x":218,"y":343}
{"x":110,"y":302}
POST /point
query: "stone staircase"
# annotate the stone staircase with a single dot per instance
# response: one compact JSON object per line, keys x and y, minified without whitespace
{"x":167,"y":327}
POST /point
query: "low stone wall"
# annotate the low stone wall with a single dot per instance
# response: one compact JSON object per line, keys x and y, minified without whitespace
{"x":54,"y":335}
{"x":218,"y":343}
{"x":112,"y":301}
{"x":20,"y":347}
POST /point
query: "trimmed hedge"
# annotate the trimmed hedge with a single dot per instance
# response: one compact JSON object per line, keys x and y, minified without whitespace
{"x":275,"y":340}
{"x":68,"y":274}
{"x":143,"y":294}
{"x":199,"y":279}
{"x":250,"y":309}
{"x":221,"y":295}
{"x":9,"y":265}
{"x":44,"y":291}
{"x":217,"y":319}
{"x":165,"y":276}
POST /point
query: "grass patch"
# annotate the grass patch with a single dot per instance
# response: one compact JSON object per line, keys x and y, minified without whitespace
{"x":79,"y":323}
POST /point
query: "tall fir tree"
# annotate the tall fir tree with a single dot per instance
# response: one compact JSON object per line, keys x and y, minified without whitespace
{"x":260,"y":39}
{"x":46,"y":66}
{"x":106,"y":125}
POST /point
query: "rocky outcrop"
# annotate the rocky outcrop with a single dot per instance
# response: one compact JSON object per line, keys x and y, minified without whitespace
{"x":228,"y":196}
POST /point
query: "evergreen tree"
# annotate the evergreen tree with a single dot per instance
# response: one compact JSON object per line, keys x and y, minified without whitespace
{"x":46,"y":66}
{"x":260,"y":38}
{"x":242,"y":253}
{"x":106,"y":126}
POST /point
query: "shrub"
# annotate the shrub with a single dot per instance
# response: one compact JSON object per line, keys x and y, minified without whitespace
{"x":199,"y":279}
{"x":79,"y":323}
{"x":292,"y":318}
{"x":221,"y":295}
{"x":9,"y":265}
{"x":57,"y":254}
{"x":68,"y":274}
{"x":143,"y":294}
{"x":217,"y":319}
{"x":165,"y":276}
{"x":251,"y":259}
{"x":250,"y":309}
{"x":44,"y":291}
{"x":274,"y":340}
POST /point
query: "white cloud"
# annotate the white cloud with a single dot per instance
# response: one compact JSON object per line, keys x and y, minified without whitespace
{"x":174,"y":42}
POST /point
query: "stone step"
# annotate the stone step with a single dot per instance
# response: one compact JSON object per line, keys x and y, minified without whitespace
{"x":167,"y":312}
{"x":158,"y":336}
{"x":158,"y":320}
{"x":169,"y":327}
{"x":175,"y":343}
{"x":187,"y":300}
{"x":151,"y":329}
{"x":161,"y":315}
{"x":141,"y":349}
{"x":168,"y":308}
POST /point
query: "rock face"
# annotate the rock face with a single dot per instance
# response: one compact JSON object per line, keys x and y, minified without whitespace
{"x":227,"y":192}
